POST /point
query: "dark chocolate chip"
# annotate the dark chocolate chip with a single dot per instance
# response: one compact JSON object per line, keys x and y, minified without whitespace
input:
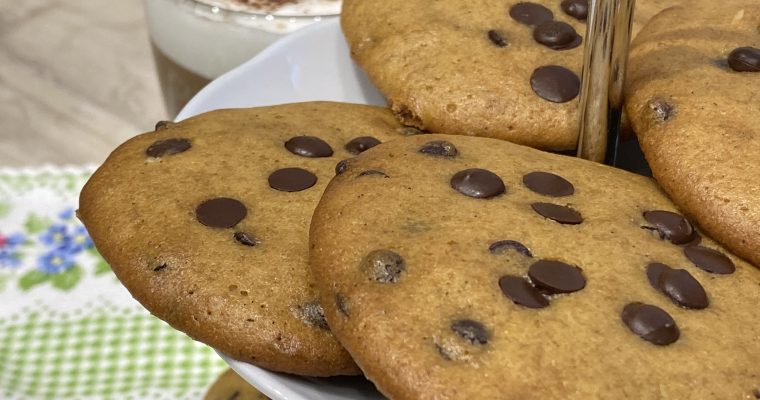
{"x":341,"y":304}
{"x":709,"y":260}
{"x":671,"y":226}
{"x":161,"y":125}
{"x":756,"y":393}
{"x":497,"y":38}
{"x":472,"y":331}
{"x":360,"y":144}
{"x":548,"y":184}
{"x":409,"y":131}
{"x":159,"y":267}
{"x":373,"y":172}
{"x":654,"y":271}
{"x":521,"y":292}
{"x":555,"y":83}
{"x":561,"y":214}
{"x":651,"y":323}
{"x":478,"y":183}
{"x":383,"y":266}
{"x":557,"y":35}
{"x":683,"y":289}
{"x":246,"y":239}
{"x":662,"y":110}
{"x":292,"y":179}
{"x":502,"y":246}
{"x":745,"y":59}
{"x":313,"y":314}
{"x":341,"y":166}
{"x":530,"y":13}
{"x":220,"y":212}
{"x":556,"y":277}
{"x":577,"y":9}
{"x":308,"y":146}
{"x":167,"y":147}
{"x":439,"y":148}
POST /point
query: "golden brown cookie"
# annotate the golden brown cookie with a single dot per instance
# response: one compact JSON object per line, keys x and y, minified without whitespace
{"x":502,"y":69}
{"x":230,"y":386}
{"x":471,"y":268}
{"x":206,"y":223}
{"x":693,"y":97}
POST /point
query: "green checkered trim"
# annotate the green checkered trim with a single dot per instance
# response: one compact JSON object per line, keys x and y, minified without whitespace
{"x":101,"y":355}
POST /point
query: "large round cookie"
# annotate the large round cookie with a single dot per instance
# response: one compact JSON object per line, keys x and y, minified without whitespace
{"x":206,"y":223}
{"x":693,"y":97}
{"x":471,"y":268}
{"x":475,"y":67}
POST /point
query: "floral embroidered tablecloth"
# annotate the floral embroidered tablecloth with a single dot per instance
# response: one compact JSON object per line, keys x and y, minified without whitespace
{"x":68,"y":329}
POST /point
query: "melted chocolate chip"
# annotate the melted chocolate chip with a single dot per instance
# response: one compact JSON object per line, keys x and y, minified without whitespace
{"x":360,"y":144}
{"x":557,"y":35}
{"x":439,"y":148}
{"x":373,"y":172}
{"x":342,"y":305}
{"x":308,"y":146}
{"x":555,"y":83}
{"x":651,"y":323}
{"x":662,"y":110}
{"x":555,"y":277}
{"x":383,"y":266}
{"x":478,"y":183}
{"x":312,"y":314}
{"x":709,"y":260}
{"x":671,"y":226}
{"x":497,"y":38}
{"x":167,"y":147}
{"x":341,"y":166}
{"x":530,"y":13}
{"x":472,"y":331}
{"x":561,"y":214}
{"x":577,"y":9}
{"x":245,"y":239}
{"x":548,"y":184}
{"x":521,"y":292}
{"x":291,"y":179}
{"x":745,"y":59}
{"x":221,"y":212}
{"x":502,"y":246}
{"x":161,"y":125}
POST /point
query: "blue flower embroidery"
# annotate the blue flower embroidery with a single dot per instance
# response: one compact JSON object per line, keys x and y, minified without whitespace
{"x":56,"y":261}
{"x":9,"y":255}
{"x":56,"y":236}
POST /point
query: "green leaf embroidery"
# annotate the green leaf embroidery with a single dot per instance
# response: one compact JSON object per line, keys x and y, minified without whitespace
{"x":36,"y":224}
{"x":67,"y":279}
{"x":102,"y":267}
{"x":5,"y":208}
{"x":93,"y":251}
{"x":3,"y":282}
{"x":31,"y":279}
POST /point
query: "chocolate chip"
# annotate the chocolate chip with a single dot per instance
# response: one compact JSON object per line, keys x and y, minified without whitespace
{"x":342,"y":305}
{"x":548,"y":184}
{"x":245,"y":239}
{"x":662,"y":110}
{"x":472,"y":331}
{"x":312,"y":314}
{"x":502,"y":246}
{"x":308,"y":146}
{"x":671,"y":226}
{"x":530,"y":13}
{"x":383,"y":266}
{"x":220,"y":212}
{"x":167,"y":147}
{"x":557,"y":35}
{"x":161,"y":125}
{"x":159,"y":267}
{"x":709,"y":260}
{"x":291,"y":179}
{"x":478,"y":183}
{"x":756,"y":393}
{"x":651,"y":323}
{"x":577,"y":9}
{"x":678,"y":285}
{"x":373,"y":172}
{"x":497,"y":38}
{"x":555,"y":83}
{"x":341,"y":166}
{"x":234,"y":396}
{"x":556,"y":277}
{"x":521,"y":292}
{"x":561,"y":214}
{"x":745,"y":59}
{"x":360,"y":144}
{"x":439,"y":148}
{"x":654,"y":271}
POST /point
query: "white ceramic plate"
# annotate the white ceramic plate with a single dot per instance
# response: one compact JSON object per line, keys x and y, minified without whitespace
{"x":311,"y":64}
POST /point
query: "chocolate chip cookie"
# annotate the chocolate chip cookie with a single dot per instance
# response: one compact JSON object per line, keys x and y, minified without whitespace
{"x":206,"y":223}
{"x":693,"y":97}
{"x":503,"y":69}
{"x":472,"y":268}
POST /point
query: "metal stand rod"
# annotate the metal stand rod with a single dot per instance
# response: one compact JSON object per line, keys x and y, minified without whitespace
{"x":605,"y":56}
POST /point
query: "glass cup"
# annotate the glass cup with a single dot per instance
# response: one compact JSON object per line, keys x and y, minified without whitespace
{"x":194,"y":41}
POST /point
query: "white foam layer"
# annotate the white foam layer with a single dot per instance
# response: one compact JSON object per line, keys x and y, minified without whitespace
{"x":209,"y":42}
{"x":290,"y":8}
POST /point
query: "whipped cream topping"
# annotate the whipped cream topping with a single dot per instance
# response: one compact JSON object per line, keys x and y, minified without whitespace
{"x":287,"y":8}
